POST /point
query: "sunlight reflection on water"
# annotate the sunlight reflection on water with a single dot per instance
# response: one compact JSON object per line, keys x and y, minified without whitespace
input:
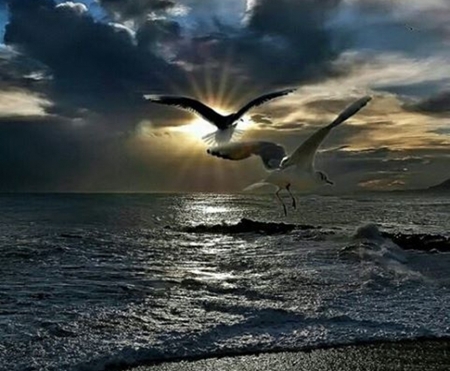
{"x":215,"y":209}
{"x":199,"y":209}
{"x":207,"y":274}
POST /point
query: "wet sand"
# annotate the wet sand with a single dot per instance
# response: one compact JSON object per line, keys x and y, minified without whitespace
{"x":416,"y":355}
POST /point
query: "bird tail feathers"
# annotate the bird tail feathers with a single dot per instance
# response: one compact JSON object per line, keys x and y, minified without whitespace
{"x":218,"y":137}
{"x":210,"y":138}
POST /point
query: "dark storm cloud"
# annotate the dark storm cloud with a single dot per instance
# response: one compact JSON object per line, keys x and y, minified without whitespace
{"x":438,"y":104}
{"x":19,"y":71}
{"x":94,"y":65}
{"x":158,"y":30}
{"x":104,"y":68}
{"x":416,"y":89}
{"x":283,"y":42}
{"x":292,"y":38}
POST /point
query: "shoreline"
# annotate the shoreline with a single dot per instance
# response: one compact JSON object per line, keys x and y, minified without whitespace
{"x":430,"y":353}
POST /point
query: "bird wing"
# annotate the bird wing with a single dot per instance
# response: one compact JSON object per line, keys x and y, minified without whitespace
{"x":187,"y":104}
{"x":304,"y":155}
{"x":271,"y":153}
{"x":262,"y":99}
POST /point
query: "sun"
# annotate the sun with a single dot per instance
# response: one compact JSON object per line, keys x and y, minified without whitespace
{"x":199,"y":128}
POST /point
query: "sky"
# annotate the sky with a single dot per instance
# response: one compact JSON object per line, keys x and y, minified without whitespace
{"x":72,"y":76}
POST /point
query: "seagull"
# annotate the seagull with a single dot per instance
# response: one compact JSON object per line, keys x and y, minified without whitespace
{"x":225,"y":124}
{"x":295,"y":170}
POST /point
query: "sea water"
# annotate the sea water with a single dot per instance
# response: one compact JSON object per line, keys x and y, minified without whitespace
{"x":99,"y":282}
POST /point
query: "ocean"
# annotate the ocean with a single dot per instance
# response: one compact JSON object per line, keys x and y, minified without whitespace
{"x":106,"y":282}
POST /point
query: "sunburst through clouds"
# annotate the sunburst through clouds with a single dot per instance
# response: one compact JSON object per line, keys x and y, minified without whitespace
{"x":224,"y":93}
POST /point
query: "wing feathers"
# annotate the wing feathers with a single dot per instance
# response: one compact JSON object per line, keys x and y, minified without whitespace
{"x":188,"y":104}
{"x":262,"y":99}
{"x":208,"y":113}
{"x":271,"y":153}
{"x":304,"y":155}
{"x":350,"y":111}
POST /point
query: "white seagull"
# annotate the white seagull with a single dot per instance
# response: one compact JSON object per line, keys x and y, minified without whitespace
{"x":296,"y":170}
{"x":225,"y":124}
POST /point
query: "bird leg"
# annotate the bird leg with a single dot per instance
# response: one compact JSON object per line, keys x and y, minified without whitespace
{"x":277,"y":193}
{"x":294,"y":203}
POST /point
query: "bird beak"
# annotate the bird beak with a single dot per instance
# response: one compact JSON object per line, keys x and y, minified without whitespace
{"x":329,"y":182}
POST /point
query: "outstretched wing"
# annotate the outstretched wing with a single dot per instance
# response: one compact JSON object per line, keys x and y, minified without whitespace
{"x":187,"y":104}
{"x":304,"y":155}
{"x":262,"y":99}
{"x":271,"y":153}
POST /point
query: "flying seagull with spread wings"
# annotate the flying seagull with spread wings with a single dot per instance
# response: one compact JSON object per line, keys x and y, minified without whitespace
{"x":225,"y":124}
{"x":296,"y":170}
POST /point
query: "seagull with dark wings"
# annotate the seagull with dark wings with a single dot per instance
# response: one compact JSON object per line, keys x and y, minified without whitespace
{"x":225,"y":124}
{"x":296,"y":170}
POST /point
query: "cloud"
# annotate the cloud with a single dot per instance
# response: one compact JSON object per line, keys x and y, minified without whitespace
{"x":69,"y":6}
{"x":71,"y":86}
{"x":94,"y":65}
{"x":413,"y":27}
{"x":105,"y":67}
{"x":132,"y":9}
{"x":438,"y":104}
{"x":281,"y":43}
{"x":385,"y":168}
{"x":21,"y":103}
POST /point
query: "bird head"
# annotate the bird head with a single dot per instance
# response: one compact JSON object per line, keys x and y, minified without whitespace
{"x":323,"y":178}
{"x":284,"y":162}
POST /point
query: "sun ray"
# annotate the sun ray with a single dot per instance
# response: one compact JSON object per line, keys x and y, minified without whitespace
{"x":193,"y":84}
{"x":220,"y":88}
{"x":224,"y":76}
{"x":208,"y":80}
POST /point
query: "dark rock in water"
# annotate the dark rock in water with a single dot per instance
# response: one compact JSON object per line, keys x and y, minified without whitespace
{"x":441,"y":187}
{"x":422,"y":242}
{"x":68,"y":235}
{"x":247,"y":226}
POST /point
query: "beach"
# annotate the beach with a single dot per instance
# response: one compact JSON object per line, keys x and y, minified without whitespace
{"x":429,"y":355}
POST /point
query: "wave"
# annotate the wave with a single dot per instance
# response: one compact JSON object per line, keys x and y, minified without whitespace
{"x":370,"y":244}
{"x":370,"y":235}
{"x":130,"y":358}
{"x":370,"y":232}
